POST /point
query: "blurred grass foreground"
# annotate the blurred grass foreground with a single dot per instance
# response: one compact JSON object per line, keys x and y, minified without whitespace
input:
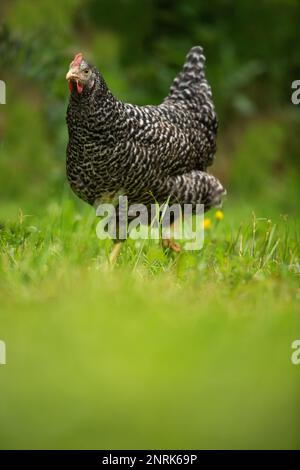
{"x":164,"y":351}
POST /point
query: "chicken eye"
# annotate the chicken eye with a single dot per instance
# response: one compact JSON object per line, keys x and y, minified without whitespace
{"x":86,"y":71}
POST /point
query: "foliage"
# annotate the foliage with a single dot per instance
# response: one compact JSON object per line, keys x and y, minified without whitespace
{"x":161,"y":352}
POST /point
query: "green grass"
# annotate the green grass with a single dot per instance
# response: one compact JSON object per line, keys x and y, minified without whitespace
{"x":163,"y":351}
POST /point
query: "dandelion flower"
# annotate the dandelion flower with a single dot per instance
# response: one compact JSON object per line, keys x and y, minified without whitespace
{"x":219,"y":215}
{"x":207,"y":224}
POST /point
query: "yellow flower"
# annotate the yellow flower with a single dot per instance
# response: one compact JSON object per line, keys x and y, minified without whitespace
{"x":219,"y":215}
{"x":207,"y":224}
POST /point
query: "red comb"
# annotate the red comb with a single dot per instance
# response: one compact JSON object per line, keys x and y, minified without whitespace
{"x":77,"y":59}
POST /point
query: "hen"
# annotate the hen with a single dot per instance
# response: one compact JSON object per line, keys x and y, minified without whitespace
{"x":143,"y":152}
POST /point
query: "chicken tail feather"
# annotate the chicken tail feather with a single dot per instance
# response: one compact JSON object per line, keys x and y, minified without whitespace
{"x":191,"y":88}
{"x":191,"y":77}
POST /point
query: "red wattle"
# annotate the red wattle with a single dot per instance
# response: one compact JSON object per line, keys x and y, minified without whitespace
{"x":79,"y":87}
{"x":70,"y":85}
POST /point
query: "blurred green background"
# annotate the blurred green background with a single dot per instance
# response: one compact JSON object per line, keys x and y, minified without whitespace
{"x":191,"y":352}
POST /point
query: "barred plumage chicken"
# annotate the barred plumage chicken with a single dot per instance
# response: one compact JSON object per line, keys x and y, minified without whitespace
{"x":143,"y":152}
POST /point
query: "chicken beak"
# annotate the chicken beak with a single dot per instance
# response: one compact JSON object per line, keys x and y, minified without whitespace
{"x":72,"y":75}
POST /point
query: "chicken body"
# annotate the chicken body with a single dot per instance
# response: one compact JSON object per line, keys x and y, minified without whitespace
{"x":144,"y":152}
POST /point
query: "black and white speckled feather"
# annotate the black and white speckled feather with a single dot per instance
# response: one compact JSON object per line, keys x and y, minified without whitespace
{"x":144,"y":151}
